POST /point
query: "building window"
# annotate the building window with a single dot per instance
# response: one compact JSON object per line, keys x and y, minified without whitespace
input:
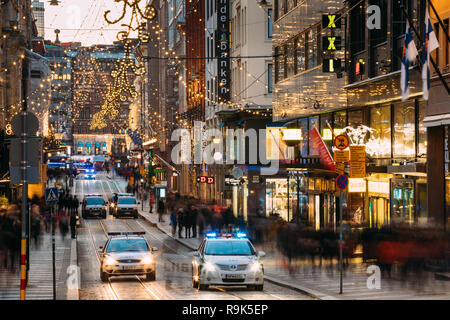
{"x":303,"y":123}
{"x":300,"y":53}
{"x":279,"y":65}
{"x":313,"y":122}
{"x":311,"y":48}
{"x":355,"y":118}
{"x":290,"y":56}
{"x":422,"y":131}
{"x":269,"y":78}
{"x":325,"y":131}
{"x":404,"y":130}
{"x":380,"y":122}
{"x":269,"y":23}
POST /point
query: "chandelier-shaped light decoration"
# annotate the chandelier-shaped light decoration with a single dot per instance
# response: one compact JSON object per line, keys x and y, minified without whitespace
{"x":123,"y":88}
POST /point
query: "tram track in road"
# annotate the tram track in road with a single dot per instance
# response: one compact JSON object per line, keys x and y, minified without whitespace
{"x":149,"y":291}
{"x":178,"y":254}
{"x":112,"y":291}
{"x":218,"y":289}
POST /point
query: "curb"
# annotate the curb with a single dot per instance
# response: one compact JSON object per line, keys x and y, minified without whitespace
{"x":74,"y":294}
{"x":312,"y":293}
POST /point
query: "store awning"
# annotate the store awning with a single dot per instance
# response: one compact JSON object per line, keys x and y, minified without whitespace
{"x":80,"y":144}
{"x":88,"y":144}
{"x":437,"y":120}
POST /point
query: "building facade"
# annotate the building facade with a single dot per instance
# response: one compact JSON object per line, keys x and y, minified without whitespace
{"x":91,"y":82}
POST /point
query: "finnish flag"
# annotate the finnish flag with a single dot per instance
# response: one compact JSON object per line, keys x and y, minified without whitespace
{"x":408,"y":56}
{"x":430,"y":43}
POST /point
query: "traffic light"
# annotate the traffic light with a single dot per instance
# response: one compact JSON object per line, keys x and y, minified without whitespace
{"x":331,"y":65}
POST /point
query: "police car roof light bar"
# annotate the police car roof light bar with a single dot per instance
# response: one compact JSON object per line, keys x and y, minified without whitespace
{"x":126,"y":233}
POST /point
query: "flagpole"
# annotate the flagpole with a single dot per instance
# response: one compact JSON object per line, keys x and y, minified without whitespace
{"x":439,"y":19}
{"x":436,"y":68}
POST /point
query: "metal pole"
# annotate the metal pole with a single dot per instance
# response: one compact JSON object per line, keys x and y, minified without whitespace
{"x":440,"y":21}
{"x":341,"y":197}
{"x":23,"y":260}
{"x":53,"y":251}
{"x":436,"y":68}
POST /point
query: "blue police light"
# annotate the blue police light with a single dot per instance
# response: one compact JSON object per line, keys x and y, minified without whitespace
{"x":211,"y":235}
{"x":241,"y":235}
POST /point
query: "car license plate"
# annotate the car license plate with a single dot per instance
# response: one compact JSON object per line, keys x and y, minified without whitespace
{"x":128,"y":267}
{"x":234,"y":276}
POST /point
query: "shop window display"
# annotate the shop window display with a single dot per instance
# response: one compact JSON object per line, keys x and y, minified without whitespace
{"x":404,"y":130}
{"x":422,"y":131}
{"x":380,"y":122}
{"x":313,"y":122}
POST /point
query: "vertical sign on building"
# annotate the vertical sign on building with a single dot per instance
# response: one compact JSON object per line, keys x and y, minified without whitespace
{"x":223,"y":51}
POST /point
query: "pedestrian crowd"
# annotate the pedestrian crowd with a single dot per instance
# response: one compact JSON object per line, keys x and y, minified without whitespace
{"x":65,"y":214}
{"x":189,"y":218}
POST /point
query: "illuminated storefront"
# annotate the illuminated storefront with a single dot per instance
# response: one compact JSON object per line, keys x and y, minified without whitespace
{"x":302,"y":199}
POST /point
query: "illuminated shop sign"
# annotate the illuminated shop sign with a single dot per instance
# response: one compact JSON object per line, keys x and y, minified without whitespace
{"x":356,"y":185}
{"x":292,"y":134}
{"x":379,"y":187}
{"x":223,"y":50}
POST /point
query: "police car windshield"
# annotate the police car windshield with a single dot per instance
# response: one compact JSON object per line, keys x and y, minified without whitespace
{"x":126,"y":200}
{"x":127,"y":245}
{"x":94,"y":201}
{"x":229,"y":248}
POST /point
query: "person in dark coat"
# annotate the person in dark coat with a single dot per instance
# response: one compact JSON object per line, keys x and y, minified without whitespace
{"x":194,"y":217}
{"x":188,"y":223}
{"x":75,"y":205}
{"x":73,"y":225}
{"x":180,"y":217}
{"x":161,"y":210}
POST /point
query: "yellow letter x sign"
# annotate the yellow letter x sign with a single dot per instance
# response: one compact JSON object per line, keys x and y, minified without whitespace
{"x":331,"y":45}
{"x":331,"y":18}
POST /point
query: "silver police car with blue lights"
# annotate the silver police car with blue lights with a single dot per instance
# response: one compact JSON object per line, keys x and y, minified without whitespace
{"x":227,"y":260}
{"x":127,"y":253}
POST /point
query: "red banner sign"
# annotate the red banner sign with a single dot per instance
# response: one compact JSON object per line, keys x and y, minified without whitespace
{"x":325,"y":156}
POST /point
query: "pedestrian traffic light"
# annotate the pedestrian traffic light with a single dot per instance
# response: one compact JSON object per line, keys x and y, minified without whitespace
{"x":331,"y":65}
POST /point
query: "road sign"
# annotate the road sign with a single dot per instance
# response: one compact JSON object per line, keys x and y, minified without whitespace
{"x":358,"y":153}
{"x":341,"y":155}
{"x":341,"y":141}
{"x":17,"y":152}
{"x":357,"y":169}
{"x":237,"y":172}
{"x":339,"y":168}
{"x":342,"y":182}
{"x":31,"y":123}
{"x":51,"y":195}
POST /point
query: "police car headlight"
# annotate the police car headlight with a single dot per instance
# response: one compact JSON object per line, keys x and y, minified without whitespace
{"x":110,"y":261}
{"x":147,"y":260}
{"x":210,"y":267}
{"x":255,"y":267}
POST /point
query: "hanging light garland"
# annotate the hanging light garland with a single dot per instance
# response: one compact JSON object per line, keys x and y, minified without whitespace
{"x":122,"y":88}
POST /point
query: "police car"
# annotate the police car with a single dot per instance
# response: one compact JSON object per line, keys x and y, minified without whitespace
{"x":124,"y":205}
{"x":89,"y":174}
{"x":93,"y":205}
{"x":127,"y":253}
{"x":227,"y":260}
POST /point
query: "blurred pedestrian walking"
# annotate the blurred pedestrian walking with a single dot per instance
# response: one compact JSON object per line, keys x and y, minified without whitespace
{"x":173,"y":221}
{"x":161,"y":210}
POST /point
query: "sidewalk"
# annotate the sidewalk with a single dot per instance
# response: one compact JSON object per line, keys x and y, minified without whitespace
{"x":323,"y":282}
{"x":41,"y":271}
